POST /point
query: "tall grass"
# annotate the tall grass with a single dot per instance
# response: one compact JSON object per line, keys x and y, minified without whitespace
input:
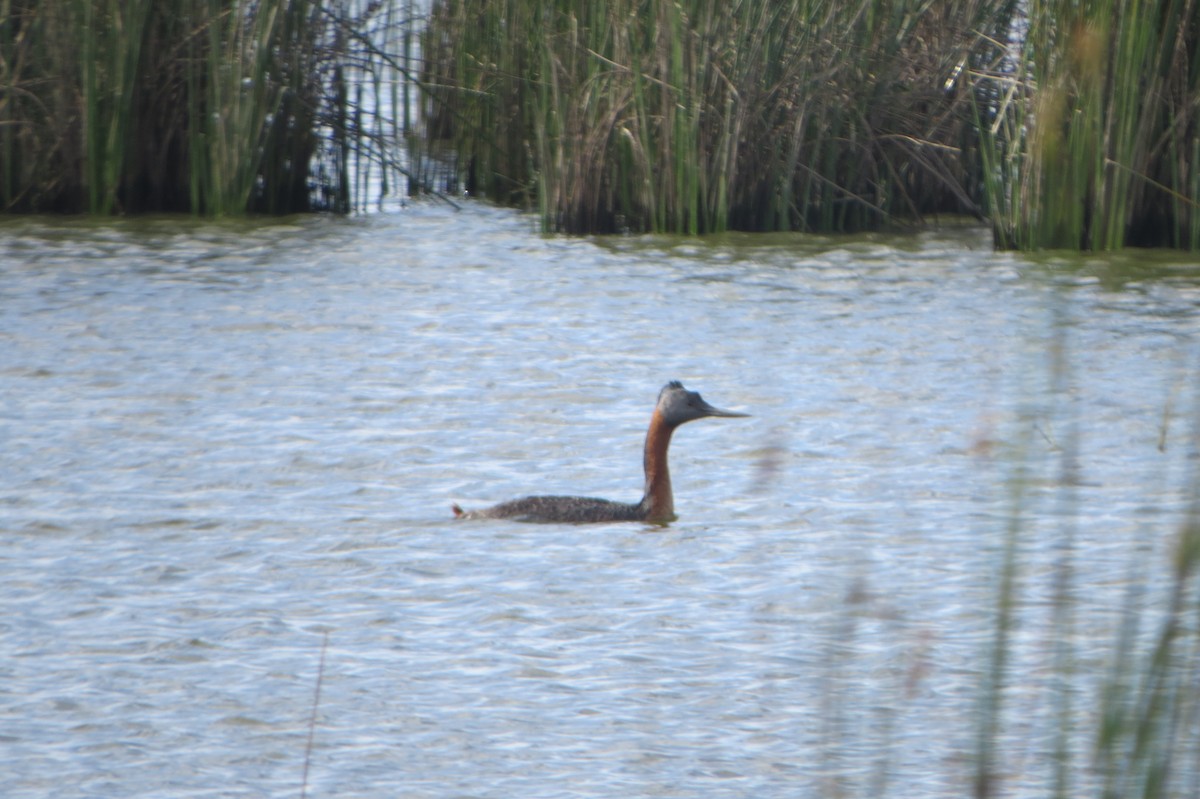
{"x":1069,"y":124}
{"x":111,"y":34}
{"x":1095,"y":125}
{"x":696,"y":116}
{"x":1125,"y":713}
{"x":1065,"y":123}
{"x":208,"y":106}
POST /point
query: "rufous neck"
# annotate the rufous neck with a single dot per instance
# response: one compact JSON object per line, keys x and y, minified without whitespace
{"x":658,"y":498}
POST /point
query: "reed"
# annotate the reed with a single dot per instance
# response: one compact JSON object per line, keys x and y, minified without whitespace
{"x":696,"y":116}
{"x":207,"y":106}
{"x":1124,"y":713}
{"x":1094,"y":124}
{"x":1066,"y":124}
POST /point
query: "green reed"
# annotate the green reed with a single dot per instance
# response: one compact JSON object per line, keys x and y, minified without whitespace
{"x":208,"y":106}
{"x":1067,"y":124}
{"x":233,"y":93}
{"x":1146,"y":744}
{"x":697,"y":116}
{"x":111,"y":37}
{"x":1123,"y":720}
{"x":1094,"y":147}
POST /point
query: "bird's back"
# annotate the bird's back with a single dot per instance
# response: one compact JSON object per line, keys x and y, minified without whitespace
{"x":570,"y":510}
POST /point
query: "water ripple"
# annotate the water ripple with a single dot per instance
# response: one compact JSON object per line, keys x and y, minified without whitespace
{"x":225,"y":440}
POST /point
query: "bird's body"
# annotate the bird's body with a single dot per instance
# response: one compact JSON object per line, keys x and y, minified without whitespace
{"x":676,"y":405}
{"x":571,"y":510}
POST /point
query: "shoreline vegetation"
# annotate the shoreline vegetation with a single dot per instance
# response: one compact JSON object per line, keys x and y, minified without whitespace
{"x":210,"y":107}
{"x":1064,"y":125}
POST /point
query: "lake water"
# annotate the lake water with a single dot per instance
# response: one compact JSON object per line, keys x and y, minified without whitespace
{"x":225,"y":442}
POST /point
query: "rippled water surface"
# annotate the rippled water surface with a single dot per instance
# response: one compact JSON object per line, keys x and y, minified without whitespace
{"x":222,"y":442}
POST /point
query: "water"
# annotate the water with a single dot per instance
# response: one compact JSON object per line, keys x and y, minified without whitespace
{"x":222,"y":442}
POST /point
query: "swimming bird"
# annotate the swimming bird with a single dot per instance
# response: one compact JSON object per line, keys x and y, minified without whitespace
{"x":676,"y":405}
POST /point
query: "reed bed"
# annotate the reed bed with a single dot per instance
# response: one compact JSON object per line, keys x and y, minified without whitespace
{"x":205,"y":106}
{"x":1066,"y":124}
{"x":698,"y":116}
{"x":1092,"y":127}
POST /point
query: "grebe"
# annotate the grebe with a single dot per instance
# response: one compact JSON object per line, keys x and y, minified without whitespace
{"x":676,"y":405}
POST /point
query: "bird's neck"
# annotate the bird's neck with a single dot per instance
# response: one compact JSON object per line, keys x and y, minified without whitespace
{"x":658,"y":500}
